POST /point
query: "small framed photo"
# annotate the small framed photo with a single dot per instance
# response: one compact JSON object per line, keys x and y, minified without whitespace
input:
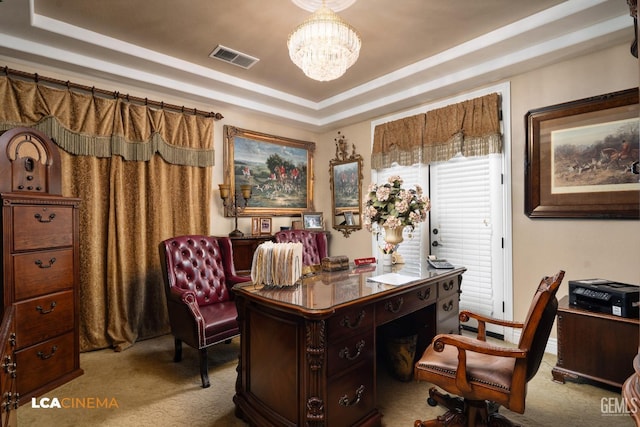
{"x":348,"y":218}
{"x":255,"y":226}
{"x":265,"y":226}
{"x":312,"y":220}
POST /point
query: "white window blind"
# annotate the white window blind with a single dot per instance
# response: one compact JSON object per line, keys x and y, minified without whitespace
{"x":462,"y":225}
{"x":413,"y":247}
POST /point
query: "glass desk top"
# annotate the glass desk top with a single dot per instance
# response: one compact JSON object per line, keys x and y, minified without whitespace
{"x":328,"y":290}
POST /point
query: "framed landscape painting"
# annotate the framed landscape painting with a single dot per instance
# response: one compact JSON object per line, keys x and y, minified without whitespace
{"x":582,"y":157}
{"x":280,"y":171}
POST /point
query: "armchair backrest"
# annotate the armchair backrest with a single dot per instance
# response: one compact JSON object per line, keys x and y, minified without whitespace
{"x":539,"y":321}
{"x":195,"y":263}
{"x":314,"y":244}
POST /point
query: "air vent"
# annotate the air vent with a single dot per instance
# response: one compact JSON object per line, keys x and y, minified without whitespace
{"x":233,"y":57}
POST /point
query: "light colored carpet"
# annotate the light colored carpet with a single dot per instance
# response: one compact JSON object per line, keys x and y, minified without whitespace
{"x":151,"y":390}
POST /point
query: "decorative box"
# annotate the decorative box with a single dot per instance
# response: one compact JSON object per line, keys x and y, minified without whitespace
{"x":335,"y":263}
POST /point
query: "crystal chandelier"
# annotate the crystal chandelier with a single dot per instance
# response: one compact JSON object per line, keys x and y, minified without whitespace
{"x":324,"y":46}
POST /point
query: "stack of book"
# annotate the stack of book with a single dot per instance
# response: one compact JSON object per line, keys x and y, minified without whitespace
{"x":277,"y":264}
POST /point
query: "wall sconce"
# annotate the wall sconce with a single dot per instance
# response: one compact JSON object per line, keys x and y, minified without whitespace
{"x":234,"y":206}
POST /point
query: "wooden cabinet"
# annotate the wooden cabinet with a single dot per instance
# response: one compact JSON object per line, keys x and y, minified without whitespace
{"x":40,"y":263}
{"x":9,"y":399}
{"x":595,"y":346}
{"x":243,"y":249}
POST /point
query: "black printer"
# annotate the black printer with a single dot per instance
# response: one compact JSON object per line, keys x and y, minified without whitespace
{"x":604,"y":296}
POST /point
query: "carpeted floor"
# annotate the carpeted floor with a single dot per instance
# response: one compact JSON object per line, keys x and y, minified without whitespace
{"x":145,"y":388}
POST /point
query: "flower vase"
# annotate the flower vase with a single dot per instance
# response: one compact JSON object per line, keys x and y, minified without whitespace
{"x":393,"y":235}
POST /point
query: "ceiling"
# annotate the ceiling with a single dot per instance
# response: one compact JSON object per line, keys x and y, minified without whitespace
{"x":413,"y":51}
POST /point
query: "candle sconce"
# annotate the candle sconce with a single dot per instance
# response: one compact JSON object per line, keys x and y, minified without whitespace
{"x":235,"y":204}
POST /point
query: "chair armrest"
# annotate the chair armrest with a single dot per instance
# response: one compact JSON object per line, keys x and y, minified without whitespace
{"x":464,"y":344}
{"x":188,"y":300}
{"x":466,"y":315}
{"x":234,"y":279}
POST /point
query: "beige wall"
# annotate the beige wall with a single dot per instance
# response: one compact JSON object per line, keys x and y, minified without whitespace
{"x":584,"y":248}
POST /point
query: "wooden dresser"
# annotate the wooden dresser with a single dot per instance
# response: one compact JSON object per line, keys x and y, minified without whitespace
{"x":40,"y":262}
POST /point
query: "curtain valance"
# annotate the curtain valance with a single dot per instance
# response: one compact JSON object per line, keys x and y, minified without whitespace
{"x":471,"y":128}
{"x":89,"y":125}
{"x":398,"y":141}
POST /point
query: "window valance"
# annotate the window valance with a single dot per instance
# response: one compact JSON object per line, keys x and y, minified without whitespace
{"x":91,"y":125}
{"x":471,"y":128}
{"x":399,"y":141}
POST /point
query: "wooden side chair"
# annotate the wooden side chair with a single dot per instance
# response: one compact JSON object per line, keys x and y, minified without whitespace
{"x":483,"y":375}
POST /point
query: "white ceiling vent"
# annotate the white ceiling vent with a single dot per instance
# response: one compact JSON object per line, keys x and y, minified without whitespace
{"x":233,"y":57}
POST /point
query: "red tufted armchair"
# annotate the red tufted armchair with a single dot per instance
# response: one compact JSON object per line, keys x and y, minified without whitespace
{"x":314,"y":244}
{"x":199,"y":274}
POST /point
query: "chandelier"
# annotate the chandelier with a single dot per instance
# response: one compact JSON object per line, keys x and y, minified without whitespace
{"x":324,"y":46}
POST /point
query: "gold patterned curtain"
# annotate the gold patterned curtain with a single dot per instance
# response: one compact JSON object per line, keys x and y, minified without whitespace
{"x":471,"y":128}
{"x":398,"y":141}
{"x":143,"y":176}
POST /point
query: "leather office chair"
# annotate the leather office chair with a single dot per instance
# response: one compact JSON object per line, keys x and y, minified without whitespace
{"x":314,"y":244}
{"x":199,"y":273}
{"x":485,"y":375}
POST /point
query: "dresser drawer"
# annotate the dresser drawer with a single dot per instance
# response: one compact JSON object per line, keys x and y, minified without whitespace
{"x":351,"y":396}
{"x":40,"y":227}
{"x":450,"y":325}
{"x":448,"y":287}
{"x":41,"y":318}
{"x":42,"y":272}
{"x":345,"y":354}
{"x":350,"y":321}
{"x":44,"y":362}
{"x":399,"y":305}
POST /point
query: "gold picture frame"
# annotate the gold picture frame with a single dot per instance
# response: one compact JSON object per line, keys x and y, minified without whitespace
{"x":280,"y":171}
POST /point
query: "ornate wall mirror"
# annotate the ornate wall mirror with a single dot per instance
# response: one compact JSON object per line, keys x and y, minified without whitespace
{"x":345,"y":174}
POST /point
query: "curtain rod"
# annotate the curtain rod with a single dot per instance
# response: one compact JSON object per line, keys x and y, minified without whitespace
{"x":69,"y":85}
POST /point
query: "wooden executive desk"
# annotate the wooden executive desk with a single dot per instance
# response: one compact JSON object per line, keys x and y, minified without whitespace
{"x":308,"y":354}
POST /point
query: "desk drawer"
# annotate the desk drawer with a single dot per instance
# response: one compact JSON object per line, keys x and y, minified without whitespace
{"x":447,"y":314}
{"x":347,"y":353}
{"x":42,"y":272}
{"x":351,"y":396}
{"x":42,"y":318}
{"x":350,"y":321}
{"x":40,"y":227}
{"x":400,"y":305}
{"x":448,"y":287}
{"x":44,"y":362}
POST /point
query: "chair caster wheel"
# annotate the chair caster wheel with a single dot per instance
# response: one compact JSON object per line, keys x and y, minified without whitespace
{"x":431,"y":401}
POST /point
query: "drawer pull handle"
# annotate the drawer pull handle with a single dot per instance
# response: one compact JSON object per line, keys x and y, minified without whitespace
{"x":346,"y":321}
{"x":40,"y":219}
{"x":345,"y":354}
{"x":448,"y":307}
{"x":344,"y":400}
{"x":447,"y":286}
{"x":9,"y":366}
{"x":43,"y":356}
{"x":390,"y":307}
{"x":424,"y":294}
{"x":41,"y":265}
{"x":43,"y":311}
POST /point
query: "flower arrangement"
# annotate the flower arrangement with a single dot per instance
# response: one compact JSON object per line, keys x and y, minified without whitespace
{"x":390,"y":205}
